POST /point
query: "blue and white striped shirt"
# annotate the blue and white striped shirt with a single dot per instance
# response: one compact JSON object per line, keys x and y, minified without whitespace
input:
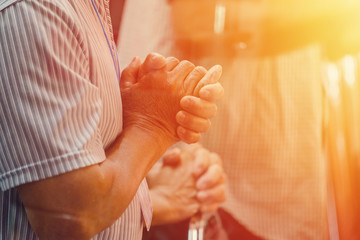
{"x":60,"y":103}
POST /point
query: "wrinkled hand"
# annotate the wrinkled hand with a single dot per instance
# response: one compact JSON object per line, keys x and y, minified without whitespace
{"x":198,"y":108}
{"x":188,"y":180}
{"x":150,"y":98}
{"x":210,"y":180}
{"x":153,"y":91}
{"x":172,"y":189}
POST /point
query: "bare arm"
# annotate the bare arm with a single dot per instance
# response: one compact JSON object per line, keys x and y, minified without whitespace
{"x":81,"y":203}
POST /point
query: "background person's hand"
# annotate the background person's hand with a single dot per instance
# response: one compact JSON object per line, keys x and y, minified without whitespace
{"x":210,"y":180}
{"x":199,"y":106}
{"x":188,"y":180}
{"x":172,"y":188}
{"x":208,"y":172}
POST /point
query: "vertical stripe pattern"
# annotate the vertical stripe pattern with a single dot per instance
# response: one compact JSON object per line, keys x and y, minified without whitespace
{"x":60,"y":104}
{"x":268,"y":128}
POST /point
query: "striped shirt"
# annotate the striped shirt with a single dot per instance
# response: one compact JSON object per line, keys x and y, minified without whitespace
{"x":60,"y":104}
{"x":268,"y":129}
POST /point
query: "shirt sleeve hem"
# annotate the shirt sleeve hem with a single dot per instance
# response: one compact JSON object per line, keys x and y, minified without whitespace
{"x":50,"y":168}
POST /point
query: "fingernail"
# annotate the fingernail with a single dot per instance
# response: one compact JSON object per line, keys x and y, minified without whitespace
{"x":181,"y":131}
{"x":186,"y":102}
{"x":217,"y":71}
{"x":181,"y":117}
{"x":218,"y":68}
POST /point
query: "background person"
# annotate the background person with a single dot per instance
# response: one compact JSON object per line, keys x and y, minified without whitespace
{"x":70,"y":161}
{"x":269,"y":129}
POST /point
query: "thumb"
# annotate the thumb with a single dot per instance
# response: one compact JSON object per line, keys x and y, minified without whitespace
{"x":172,"y":157}
{"x":130,"y":74}
{"x":153,"y":61}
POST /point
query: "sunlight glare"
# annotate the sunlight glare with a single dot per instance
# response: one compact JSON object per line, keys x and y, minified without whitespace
{"x":349,"y":70}
{"x":219,"y":21}
{"x":333,"y":82}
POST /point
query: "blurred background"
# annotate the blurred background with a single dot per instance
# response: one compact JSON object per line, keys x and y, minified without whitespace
{"x":323,"y":36}
{"x":272,"y":27}
{"x":342,"y":136}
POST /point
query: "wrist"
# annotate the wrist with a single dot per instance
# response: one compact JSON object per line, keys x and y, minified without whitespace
{"x":154,"y":129}
{"x":142,"y":149}
{"x":163,"y":213}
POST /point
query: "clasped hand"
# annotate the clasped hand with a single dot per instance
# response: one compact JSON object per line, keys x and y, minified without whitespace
{"x":170,"y":98}
{"x":189,"y":179}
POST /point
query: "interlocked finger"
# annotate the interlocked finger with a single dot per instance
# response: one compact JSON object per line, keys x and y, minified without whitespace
{"x":188,"y":136}
{"x":212,"y":76}
{"x":184,"y":68}
{"x":213,"y":195}
{"x":212,"y":92}
{"x":192,"y":122}
{"x":193,"y":79}
{"x":212,"y":177}
{"x":171,"y":63}
{"x":198,"y":107}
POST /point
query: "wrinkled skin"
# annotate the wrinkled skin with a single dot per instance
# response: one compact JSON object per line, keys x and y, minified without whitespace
{"x":177,"y":87}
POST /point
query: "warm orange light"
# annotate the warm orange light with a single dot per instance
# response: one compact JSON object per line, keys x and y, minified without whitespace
{"x":348,"y":63}
{"x":332,"y":81}
{"x":219,"y":21}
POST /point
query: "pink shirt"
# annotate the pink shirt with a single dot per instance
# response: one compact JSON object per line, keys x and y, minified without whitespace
{"x":63,"y":104}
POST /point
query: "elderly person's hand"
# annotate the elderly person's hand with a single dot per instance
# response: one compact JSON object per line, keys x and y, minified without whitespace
{"x":199,"y":105}
{"x":189,"y":179}
{"x":161,"y":94}
{"x":210,"y":179}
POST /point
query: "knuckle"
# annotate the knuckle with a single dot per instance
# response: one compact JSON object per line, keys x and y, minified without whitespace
{"x":187,"y":102}
{"x":195,"y":137}
{"x":182,"y":118}
{"x":188,"y":136}
{"x":187,"y":63}
{"x":199,"y":70}
{"x":173,"y":59}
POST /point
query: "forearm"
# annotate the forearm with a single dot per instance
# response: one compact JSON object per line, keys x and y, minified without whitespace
{"x":81,"y":203}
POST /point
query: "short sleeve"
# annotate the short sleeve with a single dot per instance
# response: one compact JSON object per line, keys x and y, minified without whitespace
{"x":50,"y":110}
